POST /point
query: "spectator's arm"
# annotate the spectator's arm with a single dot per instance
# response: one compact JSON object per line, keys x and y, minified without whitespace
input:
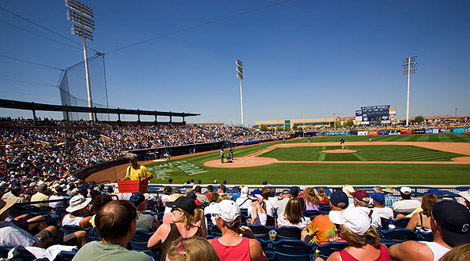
{"x":256,"y":251}
{"x":413,"y":222}
{"x":85,"y":222}
{"x":410,"y":250}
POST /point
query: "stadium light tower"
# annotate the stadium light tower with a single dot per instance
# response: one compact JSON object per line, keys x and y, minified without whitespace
{"x":240,"y":76}
{"x":409,"y":67}
{"x":82,"y":15}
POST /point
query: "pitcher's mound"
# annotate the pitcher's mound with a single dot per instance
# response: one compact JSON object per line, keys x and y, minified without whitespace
{"x":339,"y":151}
{"x":241,"y":162}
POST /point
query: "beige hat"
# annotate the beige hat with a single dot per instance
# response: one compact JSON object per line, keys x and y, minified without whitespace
{"x":349,"y":190}
{"x":388,"y":189}
{"x":77,"y":202}
{"x":5,"y":204}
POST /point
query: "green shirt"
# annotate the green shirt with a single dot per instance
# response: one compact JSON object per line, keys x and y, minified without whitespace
{"x":99,"y":251}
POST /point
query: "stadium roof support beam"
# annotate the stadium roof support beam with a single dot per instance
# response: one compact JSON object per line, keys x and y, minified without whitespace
{"x":20,"y":105}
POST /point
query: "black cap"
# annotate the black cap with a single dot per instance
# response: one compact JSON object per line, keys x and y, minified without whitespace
{"x":184,"y":203}
{"x":338,"y":197}
{"x":265,"y":182}
{"x":454,"y":220}
{"x":294,"y":191}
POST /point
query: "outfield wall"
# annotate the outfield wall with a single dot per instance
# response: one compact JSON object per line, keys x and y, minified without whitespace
{"x":384,"y":132}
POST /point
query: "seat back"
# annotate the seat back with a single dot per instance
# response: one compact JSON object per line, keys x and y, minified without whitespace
{"x":260,"y":231}
{"x":397,"y":235}
{"x":295,"y":250}
{"x":289,"y":232}
{"x":139,"y":243}
{"x":326,"y":250}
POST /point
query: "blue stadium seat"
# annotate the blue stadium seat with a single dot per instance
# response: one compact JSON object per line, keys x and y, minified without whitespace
{"x":261,"y":232}
{"x":295,"y":250}
{"x":139,"y":243}
{"x":288,"y":232}
{"x":311,"y":213}
{"x":397,"y":235}
{"x":398,"y":223}
{"x":424,"y":236}
{"x":326,"y":250}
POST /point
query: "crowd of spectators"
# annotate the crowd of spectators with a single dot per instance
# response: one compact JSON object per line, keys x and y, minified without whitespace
{"x":177,"y":218}
{"x":55,"y":148}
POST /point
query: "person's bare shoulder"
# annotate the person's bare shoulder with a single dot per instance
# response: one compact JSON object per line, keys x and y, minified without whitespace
{"x":411,"y":250}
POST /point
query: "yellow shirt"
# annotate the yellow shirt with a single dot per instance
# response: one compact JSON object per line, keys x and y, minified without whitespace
{"x":137,"y":174}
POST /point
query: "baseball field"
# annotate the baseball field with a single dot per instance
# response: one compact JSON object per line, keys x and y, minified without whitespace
{"x":432,"y":159}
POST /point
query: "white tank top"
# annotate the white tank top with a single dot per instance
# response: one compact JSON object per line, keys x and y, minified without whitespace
{"x":69,"y":221}
{"x":437,"y":250}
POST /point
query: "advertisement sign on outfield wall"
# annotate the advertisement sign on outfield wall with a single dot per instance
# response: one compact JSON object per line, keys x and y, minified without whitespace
{"x":419,"y":131}
{"x":362,"y":133}
{"x":373,"y":133}
{"x":445,"y":130}
{"x":458,"y":130}
{"x":435,"y":131}
{"x":394,"y":132}
{"x":406,"y":131}
{"x":428,"y":131}
{"x":384,"y":132}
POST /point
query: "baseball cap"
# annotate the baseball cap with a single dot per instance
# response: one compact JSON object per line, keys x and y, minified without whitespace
{"x":244,"y":190}
{"x":294,"y":191}
{"x":256,"y":197}
{"x":405,"y":190}
{"x":388,"y":189}
{"x":454,"y":220}
{"x":353,"y":219}
{"x":137,"y":198}
{"x":361,"y":195}
{"x":378,"y":197}
{"x":227,"y":210}
{"x":285,"y":192}
{"x":184,"y":203}
{"x":256,"y":192}
{"x":338,"y":197}
{"x":192,"y":195}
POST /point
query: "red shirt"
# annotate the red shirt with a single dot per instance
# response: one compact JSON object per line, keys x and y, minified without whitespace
{"x":240,"y":252}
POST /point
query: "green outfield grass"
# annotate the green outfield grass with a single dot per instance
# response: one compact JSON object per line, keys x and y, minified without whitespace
{"x":328,"y":174}
{"x":363,"y":153}
{"x":448,"y":137}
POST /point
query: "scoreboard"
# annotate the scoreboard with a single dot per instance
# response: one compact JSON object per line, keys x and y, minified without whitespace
{"x":374,"y":114}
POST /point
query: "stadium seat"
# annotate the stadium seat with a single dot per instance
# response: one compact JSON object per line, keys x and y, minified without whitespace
{"x":139,"y":243}
{"x":326,"y":250}
{"x":295,"y":250}
{"x":397,"y":223}
{"x":324,"y":208}
{"x":397,"y":235}
{"x":288,"y":232}
{"x":261,"y":232}
{"x":311,"y":213}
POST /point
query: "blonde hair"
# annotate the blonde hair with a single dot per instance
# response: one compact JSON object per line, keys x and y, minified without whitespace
{"x":457,"y":253}
{"x":214,"y":197}
{"x":294,"y":211}
{"x":322,"y":194}
{"x":192,"y":249}
{"x":371,"y":237}
{"x":311,"y":197}
{"x":189,"y":220}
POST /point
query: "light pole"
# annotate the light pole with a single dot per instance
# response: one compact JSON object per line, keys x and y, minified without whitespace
{"x":82,"y":15}
{"x":240,"y":76}
{"x":409,"y":67}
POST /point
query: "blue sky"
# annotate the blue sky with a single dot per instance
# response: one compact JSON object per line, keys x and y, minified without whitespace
{"x":302,"y":58}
